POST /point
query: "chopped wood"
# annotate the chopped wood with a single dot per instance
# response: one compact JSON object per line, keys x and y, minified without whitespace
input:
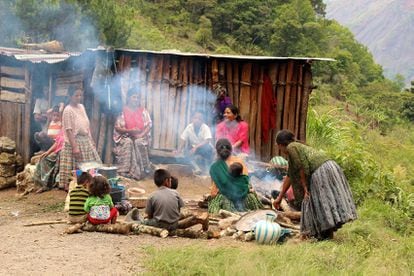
{"x":227,"y":222}
{"x":146,"y":229}
{"x":227,"y":214}
{"x":77,"y":228}
{"x":117,"y":228}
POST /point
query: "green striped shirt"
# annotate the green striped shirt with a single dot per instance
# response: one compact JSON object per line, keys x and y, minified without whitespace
{"x":77,"y":197}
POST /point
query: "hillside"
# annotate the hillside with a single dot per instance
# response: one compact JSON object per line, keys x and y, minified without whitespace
{"x":385,"y":27}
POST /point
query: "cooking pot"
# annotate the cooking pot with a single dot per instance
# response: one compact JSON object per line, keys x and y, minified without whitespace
{"x":108,"y":172}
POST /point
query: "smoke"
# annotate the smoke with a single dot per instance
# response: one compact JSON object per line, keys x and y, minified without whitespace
{"x":23,"y":22}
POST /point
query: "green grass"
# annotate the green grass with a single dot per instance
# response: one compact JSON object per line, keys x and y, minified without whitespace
{"x":365,"y":247}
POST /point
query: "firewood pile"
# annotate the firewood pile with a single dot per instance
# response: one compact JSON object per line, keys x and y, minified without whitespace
{"x":10,"y":163}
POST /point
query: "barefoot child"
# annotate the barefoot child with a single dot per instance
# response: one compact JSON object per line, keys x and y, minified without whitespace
{"x":99,"y":205}
{"x":78,"y":197}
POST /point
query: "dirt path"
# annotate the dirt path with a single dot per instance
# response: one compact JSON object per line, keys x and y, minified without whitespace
{"x":44,"y":249}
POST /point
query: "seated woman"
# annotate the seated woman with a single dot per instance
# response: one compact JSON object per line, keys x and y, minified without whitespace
{"x":132,"y":138}
{"x":196,"y":144}
{"x":235,"y":130}
{"x":231,"y":193}
{"x":47,"y":169}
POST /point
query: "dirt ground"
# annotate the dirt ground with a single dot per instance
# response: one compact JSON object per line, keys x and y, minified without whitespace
{"x":44,"y":250}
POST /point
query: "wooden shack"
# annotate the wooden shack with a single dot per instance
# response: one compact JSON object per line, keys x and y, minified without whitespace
{"x":173,"y":85}
{"x":170,"y":83}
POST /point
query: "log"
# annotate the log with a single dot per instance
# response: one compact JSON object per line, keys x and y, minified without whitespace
{"x":143,"y":79}
{"x":77,"y":228}
{"x":189,"y":233}
{"x":49,"y":222}
{"x":227,"y":214}
{"x":146,"y":229}
{"x":227,"y":222}
{"x":117,"y":228}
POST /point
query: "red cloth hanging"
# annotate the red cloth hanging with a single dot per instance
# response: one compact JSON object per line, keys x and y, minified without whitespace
{"x":268,"y":111}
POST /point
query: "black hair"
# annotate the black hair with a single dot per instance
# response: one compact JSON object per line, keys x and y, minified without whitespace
{"x":84,"y":177}
{"x":174,"y":182}
{"x":99,"y":186}
{"x":132,"y":91}
{"x":236,"y":169}
{"x":285,"y":137}
{"x":223,"y":148}
{"x":235,"y":111}
{"x":160,"y":176}
{"x":71,"y":90}
{"x":56,"y":109}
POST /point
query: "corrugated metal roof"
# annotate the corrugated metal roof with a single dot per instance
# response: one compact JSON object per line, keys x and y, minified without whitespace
{"x":36,"y":56}
{"x":178,"y":53}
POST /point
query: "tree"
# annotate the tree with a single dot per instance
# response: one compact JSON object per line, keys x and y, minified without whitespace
{"x":204,"y":34}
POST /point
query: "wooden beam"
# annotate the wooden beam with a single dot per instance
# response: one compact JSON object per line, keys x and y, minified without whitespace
{"x":12,"y":96}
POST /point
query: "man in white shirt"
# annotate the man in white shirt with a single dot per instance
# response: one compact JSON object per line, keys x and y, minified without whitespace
{"x":196,"y":144}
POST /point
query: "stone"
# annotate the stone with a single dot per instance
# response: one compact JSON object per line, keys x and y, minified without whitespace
{"x":7,"y":182}
{"x":7,"y":145}
{"x":7,"y":170}
{"x":7,"y":158}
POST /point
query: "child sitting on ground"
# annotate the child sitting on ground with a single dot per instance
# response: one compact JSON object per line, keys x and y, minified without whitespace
{"x":236,"y":169}
{"x":163,"y":206}
{"x":99,"y":205}
{"x":78,"y":197}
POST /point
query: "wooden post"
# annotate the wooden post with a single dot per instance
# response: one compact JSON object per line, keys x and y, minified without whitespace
{"x":155,"y":82}
{"x":252,"y":120}
{"x":299,"y":98}
{"x":183,"y":77}
{"x":267,"y":149}
{"x":246,"y":84}
{"x":27,"y":114}
{"x":214,"y":72}
{"x":307,"y":88}
{"x":289,"y":76}
{"x":259,"y":145}
{"x":236,"y":84}
{"x":229,"y":76}
{"x":280,"y":93}
{"x":164,"y":101}
{"x":172,"y":95}
{"x":292,"y":100}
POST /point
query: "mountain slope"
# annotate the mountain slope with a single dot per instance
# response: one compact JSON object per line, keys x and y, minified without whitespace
{"x":385,"y":27}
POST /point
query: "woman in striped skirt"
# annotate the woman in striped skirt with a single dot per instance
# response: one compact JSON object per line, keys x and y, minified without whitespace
{"x":319,"y":186}
{"x":79,"y":146}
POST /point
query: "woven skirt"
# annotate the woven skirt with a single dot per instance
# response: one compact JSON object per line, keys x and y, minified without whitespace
{"x":69,"y":163}
{"x":330,"y":204}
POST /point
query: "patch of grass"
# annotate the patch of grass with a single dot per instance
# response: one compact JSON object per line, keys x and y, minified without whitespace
{"x":367,"y":246}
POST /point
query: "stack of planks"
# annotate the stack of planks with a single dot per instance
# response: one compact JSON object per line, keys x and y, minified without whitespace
{"x":174,"y":86}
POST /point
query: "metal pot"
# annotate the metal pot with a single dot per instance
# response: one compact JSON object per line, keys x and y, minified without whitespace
{"x":108,"y":172}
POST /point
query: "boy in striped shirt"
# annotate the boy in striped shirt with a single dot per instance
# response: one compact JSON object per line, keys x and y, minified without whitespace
{"x":78,"y":196}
